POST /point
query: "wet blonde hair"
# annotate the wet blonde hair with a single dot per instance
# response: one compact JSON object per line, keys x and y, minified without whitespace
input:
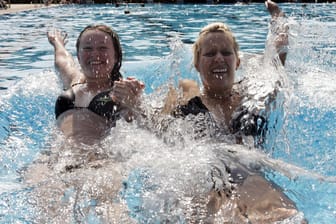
{"x":211,"y":28}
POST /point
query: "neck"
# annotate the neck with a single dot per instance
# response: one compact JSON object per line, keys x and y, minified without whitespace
{"x":98,"y":83}
{"x":223,"y":95}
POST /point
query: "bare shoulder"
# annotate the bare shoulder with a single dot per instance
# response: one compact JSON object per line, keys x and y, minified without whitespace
{"x":79,"y":80}
{"x":189,"y":89}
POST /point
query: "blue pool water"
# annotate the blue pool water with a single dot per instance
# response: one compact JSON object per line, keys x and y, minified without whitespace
{"x":156,"y":42}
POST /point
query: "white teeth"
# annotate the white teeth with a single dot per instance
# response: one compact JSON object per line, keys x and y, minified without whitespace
{"x":95,"y":62}
{"x":223,"y":70}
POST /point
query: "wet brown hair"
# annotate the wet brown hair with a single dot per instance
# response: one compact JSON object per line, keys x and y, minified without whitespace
{"x":213,"y":27}
{"x":115,"y":74}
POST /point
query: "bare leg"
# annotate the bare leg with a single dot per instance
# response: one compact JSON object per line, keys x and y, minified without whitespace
{"x":281,"y":40}
{"x":273,"y":9}
{"x":263,"y":202}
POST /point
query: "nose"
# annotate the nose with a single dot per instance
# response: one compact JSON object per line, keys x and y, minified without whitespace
{"x":95,"y":53}
{"x":219,"y":57}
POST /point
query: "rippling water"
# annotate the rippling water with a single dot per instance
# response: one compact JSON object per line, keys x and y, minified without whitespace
{"x":156,"y":42}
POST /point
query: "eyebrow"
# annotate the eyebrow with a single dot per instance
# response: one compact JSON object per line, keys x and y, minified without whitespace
{"x":94,"y":41}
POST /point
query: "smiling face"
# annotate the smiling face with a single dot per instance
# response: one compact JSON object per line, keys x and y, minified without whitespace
{"x":216,"y":61}
{"x":96,"y":54}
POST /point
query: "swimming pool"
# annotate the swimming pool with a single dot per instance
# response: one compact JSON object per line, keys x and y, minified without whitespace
{"x":156,"y":43}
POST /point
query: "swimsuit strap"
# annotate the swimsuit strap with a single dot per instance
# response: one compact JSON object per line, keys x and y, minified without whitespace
{"x":77,"y":83}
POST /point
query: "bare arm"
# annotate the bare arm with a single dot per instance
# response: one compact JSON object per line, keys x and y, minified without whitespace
{"x":279,"y":29}
{"x":64,"y":62}
{"x":188,"y":88}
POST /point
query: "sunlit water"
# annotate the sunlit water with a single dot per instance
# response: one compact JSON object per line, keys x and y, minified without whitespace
{"x":156,"y":42}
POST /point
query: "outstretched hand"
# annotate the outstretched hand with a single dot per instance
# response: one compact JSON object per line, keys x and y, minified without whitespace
{"x":57,"y":37}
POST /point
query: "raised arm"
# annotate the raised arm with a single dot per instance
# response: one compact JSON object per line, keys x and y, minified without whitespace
{"x":279,"y":29}
{"x":64,"y":62}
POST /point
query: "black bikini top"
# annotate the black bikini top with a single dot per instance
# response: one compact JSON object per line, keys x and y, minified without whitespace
{"x":194,"y":106}
{"x":244,"y":122}
{"x":101,"y":104}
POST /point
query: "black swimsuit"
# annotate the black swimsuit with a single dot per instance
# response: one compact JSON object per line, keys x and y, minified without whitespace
{"x":245,"y":122}
{"x":101,"y":104}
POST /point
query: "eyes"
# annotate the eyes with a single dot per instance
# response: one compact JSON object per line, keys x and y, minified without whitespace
{"x":98,"y":48}
{"x":212,"y":53}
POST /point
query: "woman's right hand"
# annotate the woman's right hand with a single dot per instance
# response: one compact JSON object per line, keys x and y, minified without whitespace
{"x":57,"y":37}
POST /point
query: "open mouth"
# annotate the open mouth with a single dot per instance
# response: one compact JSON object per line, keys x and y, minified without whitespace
{"x":96,"y":63}
{"x":219,"y":71}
